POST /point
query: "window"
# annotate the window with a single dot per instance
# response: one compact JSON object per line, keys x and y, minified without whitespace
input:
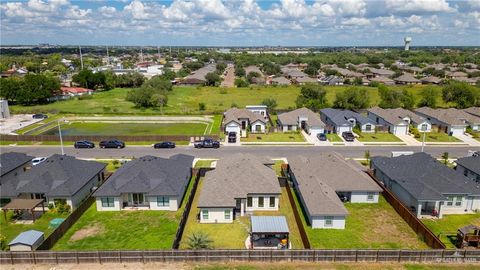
{"x":272,"y":201}
{"x":370,"y":196}
{"x":108,"y":202}
{"x":249,"y":201}
{"x":163,"y":201}
{"x":228,"y":214}
{"x":458,"y":201}
{"x":37,"y":196}
{"x":449,"y":201}
{"x":204,"y":214}
{"x":424,"y":127}
{"x":258,"y":128}
{"x":328,"y":221}
{"x":260,"y":201}
{"x":368,"y":127}
{"x":454,"y":201}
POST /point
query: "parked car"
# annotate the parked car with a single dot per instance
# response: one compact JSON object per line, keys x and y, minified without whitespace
{"x":348,"y":136}
{"x":232,"y":137}
{"x":112,"y":144}
{"x":322,"y":137}
{"x":84,"y":144}
{"x":164,"y":145}
{"x":39,"y":116}
{"x":207,"y":143}
{"x":38,"y":160}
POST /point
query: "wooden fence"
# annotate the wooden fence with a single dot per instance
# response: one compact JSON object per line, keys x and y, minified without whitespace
{"x":272,"y":256}
{"x":70,"y":138}
{"x":416,"y":224}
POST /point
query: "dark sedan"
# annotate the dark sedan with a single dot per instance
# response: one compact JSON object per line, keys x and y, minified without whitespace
{"x":39,"y":116}
{"x":164,"y":145}
{"x":84,"y":144}
{"x":348,"y":136}
{"x":112,"y":144}
{"x":322,"y":137}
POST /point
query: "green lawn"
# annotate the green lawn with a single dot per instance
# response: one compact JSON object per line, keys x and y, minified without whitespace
{"x":204,"y":163}
{"x":447,"y":226}
{"x":375,"y":226}
{"x":332,"y":266}
{"x":437,"y":137}
{"x":333,"y":137}
{"x":378,"y":137}
{"x":11,"y":230}
{"x":274,"y":137}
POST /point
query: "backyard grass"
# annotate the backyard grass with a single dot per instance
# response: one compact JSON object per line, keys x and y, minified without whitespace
{"x":10,"y":230}
{"x":274,"y":137}
{"x":378,"y":137}
{"x":332,"y":266}
{"x":333,"y":137}
{"x":446,"y":227}
{"x":438,"y":137}
{"x":366,"y":226}
{"x":204,"y":163}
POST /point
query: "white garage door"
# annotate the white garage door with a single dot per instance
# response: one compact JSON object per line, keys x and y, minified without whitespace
{"x":315,"y":131}
{"x":401,"y":130}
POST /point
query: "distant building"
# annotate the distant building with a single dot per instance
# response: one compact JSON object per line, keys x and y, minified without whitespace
{"x":4,"y":110}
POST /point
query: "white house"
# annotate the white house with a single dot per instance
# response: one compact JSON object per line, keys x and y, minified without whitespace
{"x":339,"y":121}
{"x":146,"y":183}
{"x":399,"y":120}
{"x":302,"y":118}
{"x":242,"y":121}
{"x":452,"y":121}
{"x":324,"y":181}
{"x":240,"y":183}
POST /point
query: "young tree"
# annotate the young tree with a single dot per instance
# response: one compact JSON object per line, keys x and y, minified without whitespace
{"x":312,"y":96}
{"x":352,"y":98}
{"x":367,"y":156}
{"x":408,"y":100}
{"x":199,"y":240}
{"x":271,"y":104}
{"x":239,"y":71}
{"x":252,"y":75}
{"x":241,"y":83}
{"x":202,"y":107}
{"x":445,"y":157}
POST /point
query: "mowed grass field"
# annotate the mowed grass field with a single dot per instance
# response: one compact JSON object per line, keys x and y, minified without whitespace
{"x":446,"y":228}
{"x":184,"y":100}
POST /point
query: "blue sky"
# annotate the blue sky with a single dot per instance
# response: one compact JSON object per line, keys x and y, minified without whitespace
{"x":241,"y":22}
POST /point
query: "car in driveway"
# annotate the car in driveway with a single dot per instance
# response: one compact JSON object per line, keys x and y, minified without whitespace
{"x":39,"y":116}
{"x":348,"y":136}
{"x":207,"y":143}
{"x":84,"y":144}
{"x":38,"y":160}
{"x":322,"y":137}
{"x":232,"y":137}
{"x":112,"y":144}
{"x":164,"y":145}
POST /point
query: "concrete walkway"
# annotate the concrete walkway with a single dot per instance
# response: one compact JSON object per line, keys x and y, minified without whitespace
{"x":467,"y":138}
{"x":409,"y":140}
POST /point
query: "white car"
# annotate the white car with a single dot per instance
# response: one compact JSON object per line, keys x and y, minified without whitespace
{"x":38,"y":160}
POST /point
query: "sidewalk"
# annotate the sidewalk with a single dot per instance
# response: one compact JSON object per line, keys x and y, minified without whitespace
{"x":467,"y":138}
{"x":409,"y":140}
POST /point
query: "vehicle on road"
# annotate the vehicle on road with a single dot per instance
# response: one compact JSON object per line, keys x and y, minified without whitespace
{"x":38,"y":160}
{"x":207,"y":143}
{"x":348,"y":136}
{"x":164,"y":145}
{"x":84,"y":144}
{"x":112,"y":144}
{"x":322,"y":137}
{"x":39,"y":116}
{"x":232,"y":137}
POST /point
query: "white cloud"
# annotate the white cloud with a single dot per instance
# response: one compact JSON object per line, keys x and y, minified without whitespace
{"x":356,"y":21}
{"x":418,"y":6}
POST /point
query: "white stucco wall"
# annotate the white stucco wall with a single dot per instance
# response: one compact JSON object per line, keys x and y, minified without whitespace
{"x":117,"y":204}
{"x":429,"y":127}
{"x":456,"y":130}
{"x":318,"y":222}
{"x":340,"y":130}
{"x":173,"y":203}
{"x":362,"y":197}
{"x":253,"y":127}
{"x":363,"y":128}
{"x":216,"y":215}
{"x":292,"y":128}
{"x":266,"y":203}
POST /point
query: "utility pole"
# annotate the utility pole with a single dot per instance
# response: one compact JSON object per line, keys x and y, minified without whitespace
{"x":423,"y":140}
{"x":108,"y":57}
{"x":60,"y":134}
{"x":81,"y":57}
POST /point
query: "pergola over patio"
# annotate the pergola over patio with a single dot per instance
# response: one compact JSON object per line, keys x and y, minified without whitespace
{"x":23,"y":205}
{"x":269,"y":232}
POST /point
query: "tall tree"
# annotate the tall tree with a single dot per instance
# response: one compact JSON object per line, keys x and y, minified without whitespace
{"x":312,"y":96}
{"x":352,"y":98}
{"x":429,"y":97}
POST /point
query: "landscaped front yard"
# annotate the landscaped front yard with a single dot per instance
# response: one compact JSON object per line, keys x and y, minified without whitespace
{"x":274,"y":137}
{"x":377,"y":137}
{"x":333,"y":137}
{"x":437,"y":137}
{"x":446,"y":227}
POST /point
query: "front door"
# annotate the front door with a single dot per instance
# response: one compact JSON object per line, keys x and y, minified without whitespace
{"x":303,"y":124}
{"x":136,"y":199}
{"x":244,"y":125}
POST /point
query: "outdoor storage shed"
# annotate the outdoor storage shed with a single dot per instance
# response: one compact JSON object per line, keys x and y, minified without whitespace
{"x":27,"y":241}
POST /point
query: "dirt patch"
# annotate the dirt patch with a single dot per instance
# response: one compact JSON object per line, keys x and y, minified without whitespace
{"x":87,"y":231}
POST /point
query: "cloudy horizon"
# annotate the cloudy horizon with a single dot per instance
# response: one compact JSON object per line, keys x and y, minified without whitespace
{"x":241,"y":22}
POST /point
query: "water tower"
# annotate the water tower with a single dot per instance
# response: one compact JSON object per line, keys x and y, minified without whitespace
{"x":407,"y":43}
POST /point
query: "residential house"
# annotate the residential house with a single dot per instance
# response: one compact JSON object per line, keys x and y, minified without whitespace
{"x":301,"y":118}
{"x":75,"y":91}
{"x":406,"y":78}
{"x":58,"y":179}
{"x":293,"y":74}
{"x":339,"y":121}
{"x":11,"y":165}
{"x":280,"y":81}
{"x":431,"y":80}
{"x":240,"y":184}
{"x":383,"y":80}
{"x":452,"y":121}
{"x":242,"y":121}
{"x":399,"y":120}
{"x":377,"y":72}
{"x":252,"y":68}
{"x":304,"y":80}
{"x":147,"y":183}
{"x":348,"y":73}
{"x":427,"y":186}
{"x":331,"y":80}
{"x":198,"y":77}
{"x":475,"y":111}
{"x":470,"y":167}
{"x":326,"y":180}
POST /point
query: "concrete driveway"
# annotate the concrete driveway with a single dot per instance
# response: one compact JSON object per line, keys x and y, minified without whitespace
{"x":467,"y":138}
{"x":409,"y":140}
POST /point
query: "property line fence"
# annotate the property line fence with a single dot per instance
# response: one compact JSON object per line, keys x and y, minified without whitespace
{"x":71,"y":138}
{"x":416,"y":224}
{"x":148,"y":256}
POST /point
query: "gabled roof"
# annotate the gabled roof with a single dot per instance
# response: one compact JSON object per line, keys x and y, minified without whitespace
{"x":396,"y":116}
{"x":340,"y":117}
{"x":234,"y":114}
{"x":237,"y":176}
{"x":424,"y":177}
{"x":153,"y":176}
{"x":291,"y":118}
{"x":475,"y":111}
{"x":431,"y":79}
{"x":449,"y":116}
{"x":11,"y":160}
{"x":407,"y":78}
{"x":472,"y":163}
{"x":382,"y":72}
{"x":27,"y":238}
{"x":281,"y":80}
{"x":58,"y":176}
{"x":319,"y":177}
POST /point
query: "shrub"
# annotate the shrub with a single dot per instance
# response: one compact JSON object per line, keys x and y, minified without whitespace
{"x":414,"y":132}
{"x":202,"y":106}
{"x":3,"y":242}
{"x":199,"y":240}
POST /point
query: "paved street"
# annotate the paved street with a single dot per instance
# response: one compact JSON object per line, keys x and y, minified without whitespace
{"x":268,"y":151}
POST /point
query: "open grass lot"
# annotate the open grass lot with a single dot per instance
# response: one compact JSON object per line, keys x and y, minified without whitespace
{"x":274,"y":137}
{"x":367,"y":226}
{"x":438,"y":137}
{"x":184,"y":100}
{"x":11,"y":230}
{"x":447,"y":227}
{"x":378,"y":137}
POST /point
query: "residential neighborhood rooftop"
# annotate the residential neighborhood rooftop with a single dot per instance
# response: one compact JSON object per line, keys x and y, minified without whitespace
{"x":450,"y":116}
{"x":234,"y":114}
{"x":472,"y":163}
{"x":292,"y":118}
{"x":11,"y":160}
{"x":340,"y":117}
{"x":395,"y":116}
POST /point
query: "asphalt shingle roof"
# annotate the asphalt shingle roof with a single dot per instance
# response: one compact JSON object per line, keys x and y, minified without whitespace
{"x":340,"y":117}
{"x":12,"y":160}
{"x":472,"y":163}
{"x":396,"y":116}
{"x":234,"y":114}
{"x":291,"y":118}
{"x":449,"y":116}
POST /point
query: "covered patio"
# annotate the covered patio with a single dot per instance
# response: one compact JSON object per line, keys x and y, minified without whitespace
{"x":21,"y":206}
{"x":268,"y":232}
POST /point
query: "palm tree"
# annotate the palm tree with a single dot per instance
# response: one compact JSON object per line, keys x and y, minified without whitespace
{"x":199,"y":240}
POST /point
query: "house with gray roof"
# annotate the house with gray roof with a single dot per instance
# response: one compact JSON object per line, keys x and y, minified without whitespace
{"x":242,"y":121}
{"x":280,"y":81}
{"x":470,"y":167}
{"x":452,"y":121}
{"x":302,"y":118}
{"x":431,"y":80}
{"x":383,"y":80}
{"x":198,"y":76}
{"x":398,"y":120}
{"x":11,"y":165}
{"x":324,"y":182}
{"x":59,"y":179}
{"x":339,"y":121}
{"x":147,"y":183}
{"x":426,"y":186}
{"x":407,"y":78}
{"x":240,"y":184}
{"x":475,"y":111}
{"x":381,"y":72}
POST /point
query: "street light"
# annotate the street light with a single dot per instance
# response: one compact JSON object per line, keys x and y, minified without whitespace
{"x":60,"y":134}
{"x":423,"y":140}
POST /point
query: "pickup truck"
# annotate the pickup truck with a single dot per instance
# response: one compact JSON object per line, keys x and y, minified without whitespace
{"x":207,"y":143}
